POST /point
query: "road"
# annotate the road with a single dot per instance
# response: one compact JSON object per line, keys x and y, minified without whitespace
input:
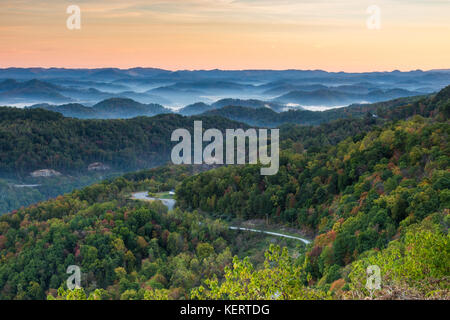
{"x":272,"y":234}
{"x":170,"y":204}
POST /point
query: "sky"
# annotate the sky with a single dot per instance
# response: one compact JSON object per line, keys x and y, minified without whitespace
{"x":331,"y":35}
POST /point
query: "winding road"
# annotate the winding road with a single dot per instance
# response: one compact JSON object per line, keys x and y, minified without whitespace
{"x":271,"y":233}
{"x":170,"y":204}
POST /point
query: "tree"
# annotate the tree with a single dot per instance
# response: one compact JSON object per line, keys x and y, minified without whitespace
{"x":279,"y":279}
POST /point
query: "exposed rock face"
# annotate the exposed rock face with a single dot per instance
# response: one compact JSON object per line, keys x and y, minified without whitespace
{"x":98,"y":166}
{"x":45,"y":173}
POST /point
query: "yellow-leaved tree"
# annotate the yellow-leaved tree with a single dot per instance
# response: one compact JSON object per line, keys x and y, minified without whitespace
{"x":279,"y":279}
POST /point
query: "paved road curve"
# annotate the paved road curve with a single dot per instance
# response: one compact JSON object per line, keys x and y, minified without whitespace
{"x":170,"y":203}
{"x":271,"y":233}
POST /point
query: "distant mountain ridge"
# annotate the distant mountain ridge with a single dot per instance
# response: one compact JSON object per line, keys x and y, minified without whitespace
{"x":393,"y":109}
{"x":176,"y":89}
{"x":331,"y":97}
{"x":251,"y":111}
{"x":128,"y":108}
{"x":11,"y":89}
{"x":113,"y":108}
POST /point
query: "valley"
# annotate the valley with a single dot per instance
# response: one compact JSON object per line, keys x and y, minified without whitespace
{"x":360,"y":185}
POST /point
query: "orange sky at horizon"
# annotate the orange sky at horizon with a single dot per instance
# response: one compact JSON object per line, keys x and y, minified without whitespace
{"x":227,"y":34}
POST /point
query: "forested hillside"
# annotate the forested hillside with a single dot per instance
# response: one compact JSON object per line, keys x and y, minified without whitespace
{"x":266,"y":117}
{"x":34,"y":139}
{"x":37,"y":139}
{"x":370,"y":191}
{"x":126,"y":247}
{"x":353,"y":197}
{"x":413,"y":267}
{"x":14,"y":195}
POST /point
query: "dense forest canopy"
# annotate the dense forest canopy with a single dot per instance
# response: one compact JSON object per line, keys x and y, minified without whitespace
{"x":355,"y":196}
{"x":33,"y":139}
{"x":36,"y":139}
{"x":127,"y":249}
{"x":369,"y":191}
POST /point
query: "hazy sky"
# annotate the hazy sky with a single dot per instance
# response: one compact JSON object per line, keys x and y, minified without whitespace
{"x":227,"y":34}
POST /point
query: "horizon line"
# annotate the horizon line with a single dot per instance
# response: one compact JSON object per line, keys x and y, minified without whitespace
{"x":229,"y":70}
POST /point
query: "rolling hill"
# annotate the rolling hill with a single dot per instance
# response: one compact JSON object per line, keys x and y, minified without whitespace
{"x":113,"y":108}
{"x":16,"y":92}
{"x":332,"y":97}
{"x":267,"y":117}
